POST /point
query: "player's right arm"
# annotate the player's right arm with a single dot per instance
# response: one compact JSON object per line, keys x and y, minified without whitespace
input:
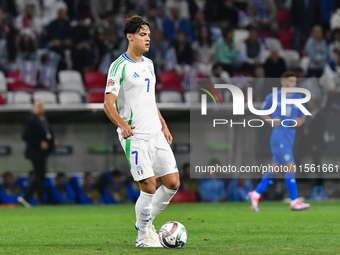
{"x":113,"y":115}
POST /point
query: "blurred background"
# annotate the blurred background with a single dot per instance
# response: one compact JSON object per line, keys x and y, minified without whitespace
{"x":59,"y":52}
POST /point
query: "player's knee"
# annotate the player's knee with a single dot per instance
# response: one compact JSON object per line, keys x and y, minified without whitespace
{"x":174,"y":185}
{"x":148,"y":185}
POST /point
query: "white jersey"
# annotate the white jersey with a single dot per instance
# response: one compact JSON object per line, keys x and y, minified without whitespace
{"x":134,"y":85}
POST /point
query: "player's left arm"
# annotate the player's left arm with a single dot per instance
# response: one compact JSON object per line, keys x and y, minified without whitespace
{"x":165,"y":128}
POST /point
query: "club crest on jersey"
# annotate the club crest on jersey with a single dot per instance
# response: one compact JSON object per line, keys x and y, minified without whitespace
{"x":139,"y":170}
{"x":110,"y":83}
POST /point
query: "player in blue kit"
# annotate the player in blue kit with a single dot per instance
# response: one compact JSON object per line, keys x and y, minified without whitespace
{"x":281,"y":143}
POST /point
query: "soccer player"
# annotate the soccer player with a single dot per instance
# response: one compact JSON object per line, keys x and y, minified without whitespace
{"x":281,"y":143}
{"x":131,"y":105}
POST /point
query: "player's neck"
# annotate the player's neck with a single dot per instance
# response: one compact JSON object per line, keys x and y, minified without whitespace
{"x":134,"y":54}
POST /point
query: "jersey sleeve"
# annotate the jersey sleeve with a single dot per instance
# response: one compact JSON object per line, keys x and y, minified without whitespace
{"x":114,"y":79}
{"x":267,"y":102}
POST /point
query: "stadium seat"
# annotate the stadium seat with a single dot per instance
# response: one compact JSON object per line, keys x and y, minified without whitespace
{"x":96,"y":97}
{"x":170,"y":81}
{"x":19,"y":97}
{"x":94,"y":80}
{"x":291,"y":58}
{"x":3,"y":82}
{"x":70,"y":97}
{"x":47,"y":97}
{"x":273,"y":43}
{"x":71,"y":80}
{"x":2,"y":99}
{"x":286,"y":39}
{"x":240,"y":35}
{"x":282,"y":17}
{"x":191,"y":97}
{"x":170,"y":97}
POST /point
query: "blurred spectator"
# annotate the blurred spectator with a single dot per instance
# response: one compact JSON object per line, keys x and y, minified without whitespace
{"x":187,"y":183}
{"x":304,"y":14}
{"x":143,"y":7}
{"x":116,"y":191}
{"x":226,"y":53}
{"x":60,"y":28}
{"x":183,"y":53}
{"x":100,"y":8}
{"x":181,"y":5}
{"x":51,"y":9}
{"x":82,"y":56}
{"x":21,"y":4}
{"x":89,"y":190}
{"x":9,"y":190}
{"x":219,"y":73}
{"x":335,"y":20}
{"x":62,"y":192}
{"x":27,"y":50}
{"x":274,"y":66}
{"x":211,"y":190}
{"x":259,"y":82}
{"x":334,"y":45}
{"x":316,"y":49}
{"x":251,"y":51}
{"x":204,"y":51}
{"x":310,"y":141}
{"x":263,"y":13}
{"x":228,"y":15}
{"x":195,"y":6}
{"x":283,"y":4}
{"x":154,"y":20}
{"x":28,"y":20}
{"x":39,"y":138}
{"x":175,"y":22}
{"x":199,"y":22}
{"x":211,"y":10}
{"x":327,"y":9}
{"x":9,"y":7}
{"x":157,"y":51}
{"x":238,"y":190}
{"x":78,"y":8}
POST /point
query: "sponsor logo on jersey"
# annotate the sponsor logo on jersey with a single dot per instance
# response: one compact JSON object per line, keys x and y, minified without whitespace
{"x":135,"y":75}
{"x":175,"y":167}
{"x":139,"y":170}
{"x":110,"y":83}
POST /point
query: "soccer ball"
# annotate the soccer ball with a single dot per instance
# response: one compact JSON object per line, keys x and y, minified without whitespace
{"x":173,"y":235}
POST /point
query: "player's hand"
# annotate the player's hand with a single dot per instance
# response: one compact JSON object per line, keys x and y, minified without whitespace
{"x":277,"y":122}
{"x":127,"y":131}
{"x":167,"y":135}
{"x":44,"y":145}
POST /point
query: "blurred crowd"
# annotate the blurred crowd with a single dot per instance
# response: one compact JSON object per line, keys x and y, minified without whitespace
{"x":228,"y":39}
{"x":113,"y":187}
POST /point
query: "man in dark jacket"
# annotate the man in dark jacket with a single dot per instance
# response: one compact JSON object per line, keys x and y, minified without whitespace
{"x":39,"y":138}
{"x":304,"y":14}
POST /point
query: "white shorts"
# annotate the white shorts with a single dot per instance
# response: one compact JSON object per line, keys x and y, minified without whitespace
{"x":149,"y":158}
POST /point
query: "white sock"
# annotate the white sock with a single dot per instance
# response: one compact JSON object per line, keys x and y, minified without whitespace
{"x":256,"y":195}
{"x":294,"y":201}
{"x":162,"y":198}
{"x":143,"y":210}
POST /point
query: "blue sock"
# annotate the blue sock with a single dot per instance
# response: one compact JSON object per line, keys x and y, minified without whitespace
{"x":291,"y":185}
{"x":266,"y":181}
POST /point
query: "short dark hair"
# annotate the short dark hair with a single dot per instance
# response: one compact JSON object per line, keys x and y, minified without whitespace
{"x":287,"y":74}
{"x":216,"y":65}
{"x":5,"y":174}
{"x":133,"y":24}
{"x":60,"y":175}
{"x":116,"y":173}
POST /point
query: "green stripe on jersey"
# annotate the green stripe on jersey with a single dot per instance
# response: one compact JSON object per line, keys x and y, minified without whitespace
{"x":117,"y":106}
{"x":114,"y":70}
{"x":130,"y":120}
{"x":122,"y":76}
{"x":115,"y":64}
{"x":127,"y":151}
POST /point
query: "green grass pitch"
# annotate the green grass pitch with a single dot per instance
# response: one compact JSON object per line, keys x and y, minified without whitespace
{"x":225,"y":228}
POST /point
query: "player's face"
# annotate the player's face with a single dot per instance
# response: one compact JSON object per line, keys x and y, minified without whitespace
{"x":290,"y":82}
{"x":141,"y":40}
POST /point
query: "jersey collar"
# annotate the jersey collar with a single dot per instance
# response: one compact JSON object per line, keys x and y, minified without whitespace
{"x":129,"y":59}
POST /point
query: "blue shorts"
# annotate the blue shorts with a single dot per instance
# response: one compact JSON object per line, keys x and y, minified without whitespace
{"x":282,"y":152}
